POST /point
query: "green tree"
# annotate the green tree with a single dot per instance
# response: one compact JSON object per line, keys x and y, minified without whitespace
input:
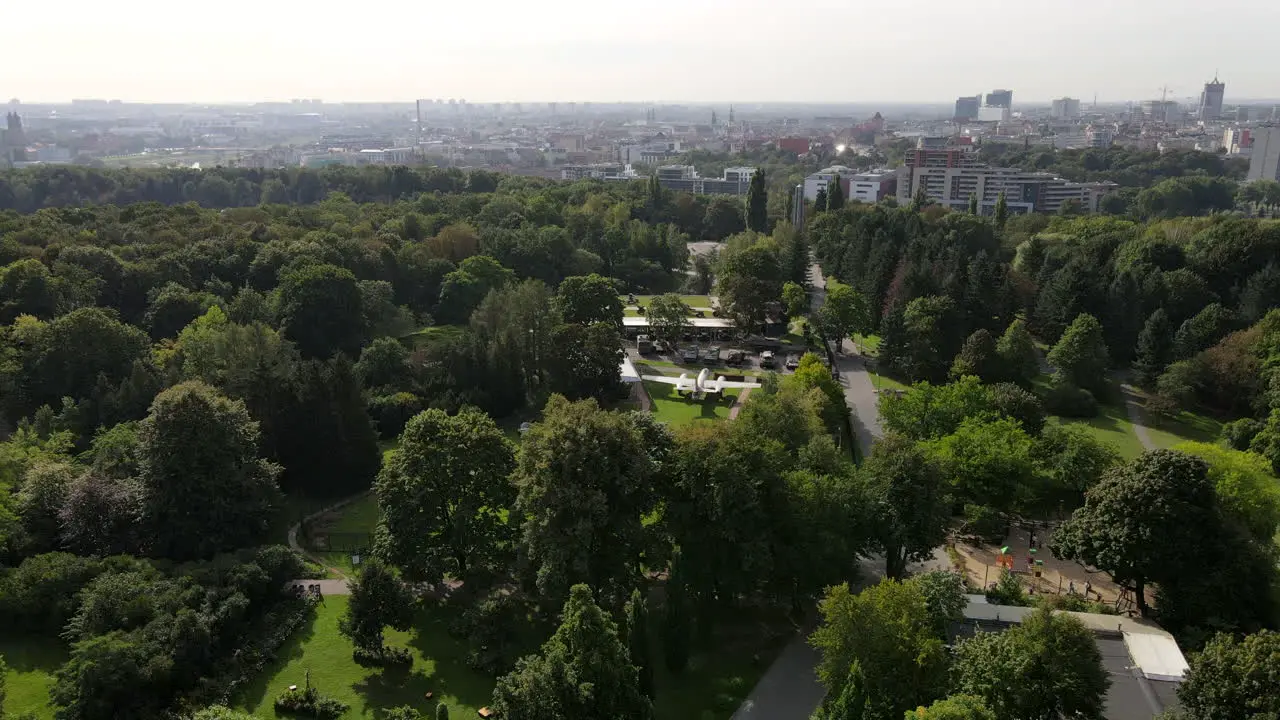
{"x":932,"y":341}
{"x":444,"y":496}
{"x":758,"y":204}
{"x":584,"y":361}
{"x":206,"y":488}
{"x":989,"y":462}
{"x":677,"y":625}
{"x":668,"y":317}
{"x":585,"y":478}
{"x":956,"y":707}
{"x":929,"y":411}
{"x":589,"y":299}
{"x":844,"y":313}
{"x":1203,"y":331}
{"x":973,"y":204}
{"x":723,"y":218}
{"x":944,"y":596}
{"x":27,"y":288}
{"x":1073,"y":460}
{"x":1155,"y":348}
{"x":442,"y":711}
{"x":1245,"y":486}
{"x":908,"y":497}
{"x":637,"y":611}
{"x":1142,"y":521}
{"x":1046,"y":668}
{"x":835,"y":193}
{"x":978,"y":357}
{"x":1017,"y":352}
{"x":1002,"y":212}
{"x":581,"y":672}
{"x":820,"y":202}
{"x":172,"y":307}
{"x":748,"y":279}
{"x":378,"y":599}
{"x":795,"y":299}
{"x":1080,"y":357}
{"x":881,"y":640}
{"x":1234,"y":678}
{"x":321,"y":310}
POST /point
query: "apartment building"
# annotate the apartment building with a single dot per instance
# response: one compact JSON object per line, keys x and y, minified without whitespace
{"x":1024,"y":191}
{"x":869,"y":186}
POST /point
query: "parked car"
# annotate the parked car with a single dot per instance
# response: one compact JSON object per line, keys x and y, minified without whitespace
{"x":793,"y":362}
{"x":689,"y":354}
{"x":735,"y":357}
{"x":766,"y":359}
{"x":643,"y":344}
{"x":711,"y":356}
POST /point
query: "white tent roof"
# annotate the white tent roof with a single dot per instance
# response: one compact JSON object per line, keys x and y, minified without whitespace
{"x":1157,"y":656}
{"x":710,"y":323}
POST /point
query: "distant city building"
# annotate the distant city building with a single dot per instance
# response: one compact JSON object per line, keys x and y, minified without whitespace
{"x":949,"y":176}
{"x":1000,"y":98}
{"x":1161,"y":111}
{"x":1264,"y":163}
{"x":967,"y":108}
{"x":797,"y":145}
{"x":1065,"y":109}
{"x":685,"y":178}
{"x":1096,"y":136}
{"x":1211,"y":100}
{"x":868,"y":187}
{"x":600,"y":171}
{"x":1238,"y":141}
{"x":13,"y":144}
{"x":993,"y":113}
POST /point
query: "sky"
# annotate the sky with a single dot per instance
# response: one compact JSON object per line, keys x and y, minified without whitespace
{"x":650,"y":51}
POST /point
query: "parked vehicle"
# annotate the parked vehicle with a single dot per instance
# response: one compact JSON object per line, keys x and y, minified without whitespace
{"x":643,"y":344}
{"x":793,"y":362}
{"x":735,"y":357}
{"x":767,"y":359}
{"x":689,"y":355}
{"x":711,"y":356}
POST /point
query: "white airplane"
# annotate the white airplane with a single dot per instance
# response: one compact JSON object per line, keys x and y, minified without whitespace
{"x":701,"y":384}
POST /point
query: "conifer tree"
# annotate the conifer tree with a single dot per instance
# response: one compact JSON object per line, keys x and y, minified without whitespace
{"x":758,"y":204}
{"x":835,"y":193}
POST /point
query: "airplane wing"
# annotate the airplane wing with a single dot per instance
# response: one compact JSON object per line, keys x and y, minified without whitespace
{"x":737,"y":384}
{"x":683,"y":383}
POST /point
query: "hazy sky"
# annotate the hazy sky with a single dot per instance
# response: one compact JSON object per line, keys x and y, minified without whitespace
{"x":654,"y":50}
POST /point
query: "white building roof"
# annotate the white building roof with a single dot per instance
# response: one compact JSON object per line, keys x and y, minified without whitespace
{"x":628,"y":371}
{"x":1157,"y":656}
{"x":707,"y":323}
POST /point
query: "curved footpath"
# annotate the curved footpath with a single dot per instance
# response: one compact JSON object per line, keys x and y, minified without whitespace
{"x":331,"y":586}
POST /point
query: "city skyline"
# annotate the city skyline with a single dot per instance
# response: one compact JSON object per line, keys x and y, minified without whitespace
{"x":927,"y":52}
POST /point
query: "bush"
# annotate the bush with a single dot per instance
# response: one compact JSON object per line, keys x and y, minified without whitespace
{"x":382,"y":657}
{"x":392,"y":412}
{"x":1239,"y":434}
{"x":1013,"y":402}
{"x":984,"y":522}
{"x":310,"y":703}
{"x":1008,"y":591}
{"x":1067,"y":400}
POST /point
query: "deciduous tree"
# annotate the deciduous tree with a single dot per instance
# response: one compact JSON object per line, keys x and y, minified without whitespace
{"x":908,"y":500}
{"x":444,"y":496}
{"x":378,"y":599}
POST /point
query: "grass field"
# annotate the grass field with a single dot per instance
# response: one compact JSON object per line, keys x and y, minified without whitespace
{"x":32,"y":662}
{"x":693,"y":301}
{"x":662,"y":367}
{"x":870,"y":344}
{"x":1167,"y":432}
{"x":676,"y":411}
{"x":439,"y":667}
{"x":1112,"y":426}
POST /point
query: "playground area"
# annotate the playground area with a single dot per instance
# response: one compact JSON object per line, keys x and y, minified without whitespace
{"x":1025,"y":552}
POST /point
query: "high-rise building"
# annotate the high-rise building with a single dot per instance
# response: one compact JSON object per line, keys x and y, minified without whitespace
{"x":967,"y":108}
{"x":13,"y":145}
{"x":797,"y":206}
{"x":1065,"y":109}
{"x":1264,"y":163}
{"x":1000,"y":98}
{"x":1211,"y":100}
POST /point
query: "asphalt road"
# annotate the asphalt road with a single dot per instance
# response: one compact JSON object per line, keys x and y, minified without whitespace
{"x":858,"y":389}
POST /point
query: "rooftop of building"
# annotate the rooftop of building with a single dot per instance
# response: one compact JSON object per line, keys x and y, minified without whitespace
{"x":1142,"y":660}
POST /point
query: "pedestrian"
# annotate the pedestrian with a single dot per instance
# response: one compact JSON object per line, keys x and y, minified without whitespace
{"x":1088,"y":588}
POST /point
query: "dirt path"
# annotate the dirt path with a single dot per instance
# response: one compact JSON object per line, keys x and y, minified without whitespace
{"x":297,"y":547}
{"x":1133,"y":409}
{"x":738,"y":403}
{"x":642,"y":397}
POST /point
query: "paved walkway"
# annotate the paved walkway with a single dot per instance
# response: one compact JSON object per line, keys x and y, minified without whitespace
{"x":738,"y":403}
{"x":334,"y":587}
{"x":859,"y":391}
{"x":1133,"y":409}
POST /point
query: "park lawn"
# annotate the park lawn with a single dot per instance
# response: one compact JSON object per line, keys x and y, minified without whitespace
{"x":676,"y":411}
{"x":1187,"y":426}
{"x":1112,"y":425}
{"x":870,"y":344}
{"x":662,"y":367}
{"x":31,"y":663}
{"x":693,"y":301}
{"x":439,"y":667}
{"x":884,"y":382}
{"x":720,"y":676}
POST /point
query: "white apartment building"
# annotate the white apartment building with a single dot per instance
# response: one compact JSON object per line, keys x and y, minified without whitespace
{"x":1264,"y":163}
{"x":1099,"y":137}
{"x":869,"y":187}
{"x":1065,"y":109}
{"x":1024,"y":191}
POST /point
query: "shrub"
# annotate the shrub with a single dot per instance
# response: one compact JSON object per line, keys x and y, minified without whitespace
{"x":1067,"y":400}
{"x":382,"y":657}
{"x":1239,"y":434}
{"x":392,"y":412}
{"x":984,"y":522}
{"x":1008,"y":591}
{"x":311,"y":703}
